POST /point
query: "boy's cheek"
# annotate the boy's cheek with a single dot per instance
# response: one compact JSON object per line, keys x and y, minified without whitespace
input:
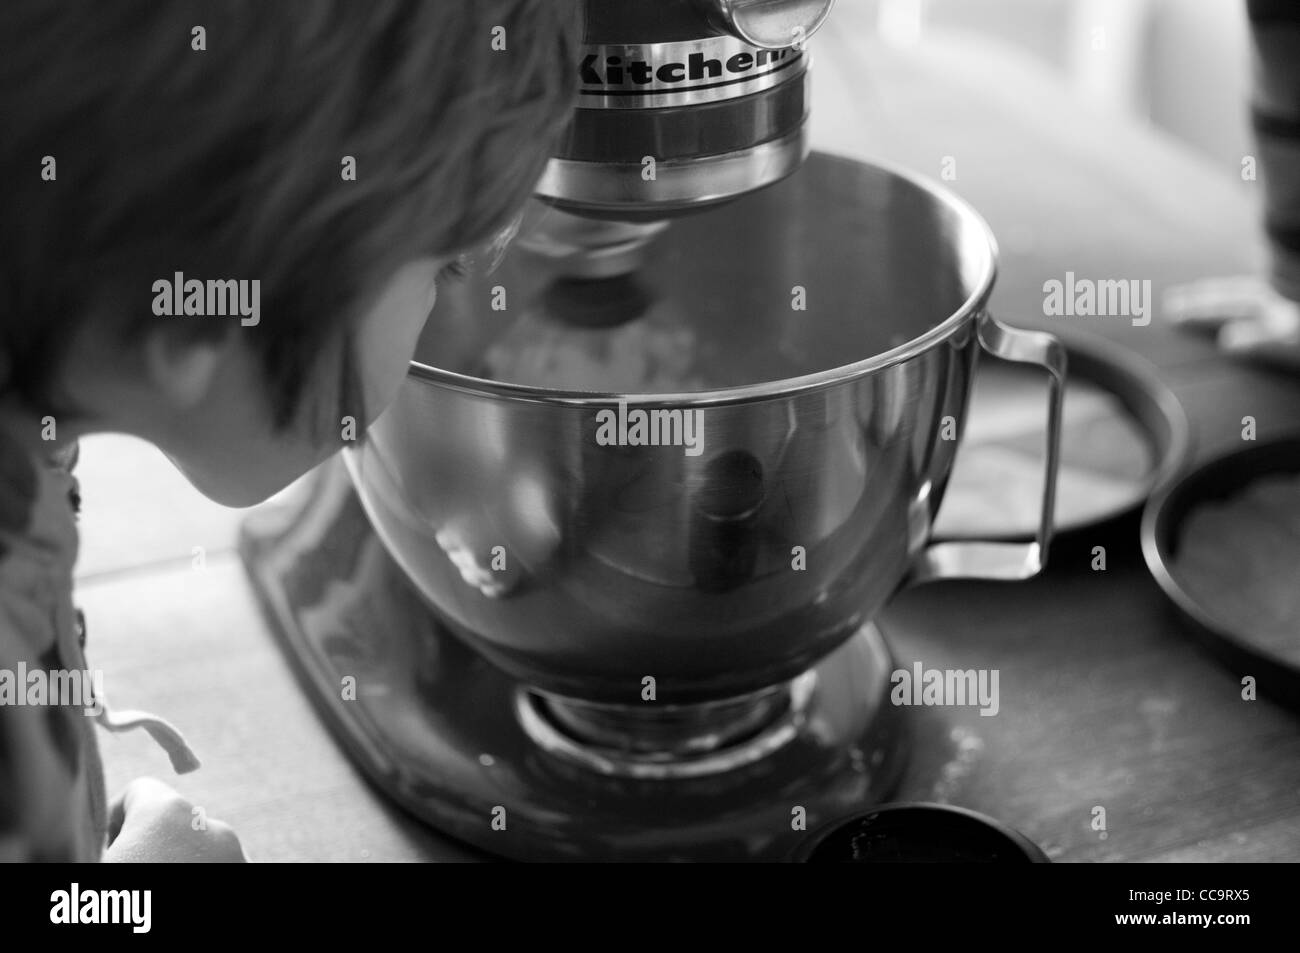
{"x":239,"y":462}
{"x":381,"y":389}
{"x":389,"y":332}
{"x":231,"y":453}
{"x":241,"y":479}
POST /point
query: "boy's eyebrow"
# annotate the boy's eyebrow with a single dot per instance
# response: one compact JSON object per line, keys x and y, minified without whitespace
{"x":490,"y":255}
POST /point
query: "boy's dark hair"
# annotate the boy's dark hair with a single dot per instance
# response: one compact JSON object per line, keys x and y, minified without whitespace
{"x":226,"y":162}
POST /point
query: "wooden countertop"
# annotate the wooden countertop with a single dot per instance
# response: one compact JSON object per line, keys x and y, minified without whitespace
{"x":1105,"y":701}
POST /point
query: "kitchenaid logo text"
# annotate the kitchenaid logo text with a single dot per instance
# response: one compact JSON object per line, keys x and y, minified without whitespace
{"x":75,"y":906}
{"x":73,"y":688}
{"x":638,"y":67}
{"x":651,"y":428}
{"x":946,"y":688}
{"x":1085,"y":298}
{"x":218,"y":297}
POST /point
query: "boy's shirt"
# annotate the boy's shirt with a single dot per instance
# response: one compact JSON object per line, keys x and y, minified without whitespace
{"x":52,"y":803}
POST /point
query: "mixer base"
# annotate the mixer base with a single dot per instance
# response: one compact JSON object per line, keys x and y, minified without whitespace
{"x":434,"y":726}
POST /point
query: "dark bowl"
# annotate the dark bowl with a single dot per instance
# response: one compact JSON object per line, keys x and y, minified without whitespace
{"x":1163,"y":518}
{"x":920,"y":833}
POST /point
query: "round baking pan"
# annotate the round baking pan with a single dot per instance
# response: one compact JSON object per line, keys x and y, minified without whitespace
{"x":1118,"y":417}
{"x":1247,"y":649}
{"x":919,"y":833}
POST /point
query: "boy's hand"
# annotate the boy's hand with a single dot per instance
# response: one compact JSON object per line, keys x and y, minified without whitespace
{"x":150,"y":823}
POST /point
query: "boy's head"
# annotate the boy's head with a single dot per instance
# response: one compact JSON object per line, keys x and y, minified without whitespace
{"x":339,"y":153}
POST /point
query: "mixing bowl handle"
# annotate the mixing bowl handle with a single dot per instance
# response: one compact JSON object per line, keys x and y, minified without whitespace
{"x":1007,"y":561}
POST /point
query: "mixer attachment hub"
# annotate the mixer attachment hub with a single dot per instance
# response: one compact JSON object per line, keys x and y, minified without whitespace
{"x":576,"y":246}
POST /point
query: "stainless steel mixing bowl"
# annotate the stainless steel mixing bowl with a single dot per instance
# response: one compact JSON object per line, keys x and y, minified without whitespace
{"x":825,"y":329}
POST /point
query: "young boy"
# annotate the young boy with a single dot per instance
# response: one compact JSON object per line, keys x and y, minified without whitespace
{"x":314,"y":165}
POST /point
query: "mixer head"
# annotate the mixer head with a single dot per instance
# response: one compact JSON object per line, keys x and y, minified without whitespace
{"x":683,"y":105}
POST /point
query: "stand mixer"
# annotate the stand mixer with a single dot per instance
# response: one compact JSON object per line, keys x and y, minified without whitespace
{"x":549,"y":645}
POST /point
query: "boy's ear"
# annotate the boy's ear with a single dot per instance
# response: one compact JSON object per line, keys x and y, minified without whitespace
{"x":181,"y":367}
